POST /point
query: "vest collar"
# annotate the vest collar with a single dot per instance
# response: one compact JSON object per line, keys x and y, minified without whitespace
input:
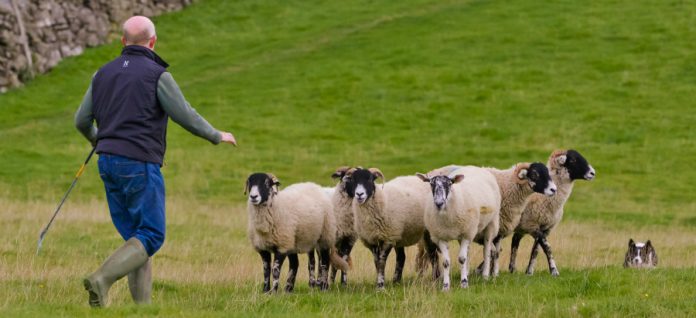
{"x":143,"y":51}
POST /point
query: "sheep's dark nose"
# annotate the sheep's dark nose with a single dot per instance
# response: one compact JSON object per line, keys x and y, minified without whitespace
{"x":553,"y":190}
{"x":439,"y":204}
{"x":253,"y":196}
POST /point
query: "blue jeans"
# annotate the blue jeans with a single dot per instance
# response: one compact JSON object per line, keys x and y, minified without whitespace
{"x":135,"y":193}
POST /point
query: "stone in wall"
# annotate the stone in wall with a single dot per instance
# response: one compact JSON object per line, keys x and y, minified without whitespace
{"x":56,"y":29}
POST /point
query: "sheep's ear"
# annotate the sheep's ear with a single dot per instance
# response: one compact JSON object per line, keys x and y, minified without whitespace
{"x":340,"y":172}
{"x":246,"y":187}
{"x":561,"y":159}
{"x":648,"y":243}
{"x":458,"y":178}
{"x":377,"y":173}
{"x":631,"y":243}
{"x":422,"y":177}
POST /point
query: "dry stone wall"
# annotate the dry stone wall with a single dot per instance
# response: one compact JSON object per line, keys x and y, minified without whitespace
{"x":36,"y":34}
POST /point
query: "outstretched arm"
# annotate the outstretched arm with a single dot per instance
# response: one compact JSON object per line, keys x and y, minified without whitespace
{"x":181,"y":112}
{"x":84,"y":118}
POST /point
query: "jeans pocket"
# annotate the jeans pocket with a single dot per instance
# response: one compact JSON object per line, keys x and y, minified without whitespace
{"x":132,"y":176}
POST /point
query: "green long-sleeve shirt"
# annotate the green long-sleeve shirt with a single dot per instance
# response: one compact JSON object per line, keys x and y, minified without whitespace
{"x":173,"y":102}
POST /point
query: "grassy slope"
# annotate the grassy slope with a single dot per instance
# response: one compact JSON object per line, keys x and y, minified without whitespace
{"x":404,"y":86}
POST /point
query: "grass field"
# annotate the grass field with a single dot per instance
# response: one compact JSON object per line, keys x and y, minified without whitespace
{"x":406,"y":86}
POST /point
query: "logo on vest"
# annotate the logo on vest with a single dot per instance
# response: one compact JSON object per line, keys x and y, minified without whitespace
{"x":125,"y":63}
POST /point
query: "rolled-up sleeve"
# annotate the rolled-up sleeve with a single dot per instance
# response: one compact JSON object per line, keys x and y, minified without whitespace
{"x":84,"y":117}
{"x":175,"y":105}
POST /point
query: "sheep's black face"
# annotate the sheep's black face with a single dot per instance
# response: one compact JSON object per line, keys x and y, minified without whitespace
{"x":540,"y":180}
{"x":348,"y":184}
{"x":260,"y":187}
{"x":578,"y":167}
{"x":440,"y":186}
{"x":640,"y":254}
{"x":362,"y":185}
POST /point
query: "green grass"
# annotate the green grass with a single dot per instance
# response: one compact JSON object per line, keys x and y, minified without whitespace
{"x":406,"y":86}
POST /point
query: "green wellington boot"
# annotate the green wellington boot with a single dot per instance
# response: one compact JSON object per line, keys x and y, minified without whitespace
{"x":125,"y":259}
{"x":140,"y":283}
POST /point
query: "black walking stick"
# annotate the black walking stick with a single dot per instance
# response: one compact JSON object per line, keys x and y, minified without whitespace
{"x":77,"y":176}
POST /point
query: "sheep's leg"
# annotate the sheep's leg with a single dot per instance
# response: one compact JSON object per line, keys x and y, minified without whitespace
{"x":310,"y":266}
{"x":463,"y":259}
{"x":516,"y":238}
{"x":431,"y":251}
{"x":549,"y":256}
{"x":495,"y":255}
{"x":442,"y":245}
{"x":278,"y":260}
{"x":383,"y":255}
{"x":345,"y":253}
{"x":266,"y":258}
{"x":324,"y":268}
{"x":376,"y":251}
{"x":400,"y":261}
{"x":487,"y":247}
{"x":292,"y":272}
{"x":533,"y":256}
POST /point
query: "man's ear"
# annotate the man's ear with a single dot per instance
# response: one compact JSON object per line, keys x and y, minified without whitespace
{"x":123,"y":40}
{"x":151,"y":43}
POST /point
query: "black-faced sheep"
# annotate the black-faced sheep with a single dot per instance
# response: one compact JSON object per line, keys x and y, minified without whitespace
{"x":298,"y":219}
{"x":464,"y":205}
{"x":542,"y":213}
{"x":387,"y":216}
{"x":516,"y":185}
{"x":342,"y":201}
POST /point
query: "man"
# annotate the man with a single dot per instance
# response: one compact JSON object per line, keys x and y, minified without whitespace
{"x":131,"y":99}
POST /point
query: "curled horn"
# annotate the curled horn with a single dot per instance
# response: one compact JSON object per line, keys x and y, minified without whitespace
{"x":377,"y":173}
{"x":558,"y":156}
{"x":521,"y":176}
{"x":275,"y":182}
{"x":340,"y":172}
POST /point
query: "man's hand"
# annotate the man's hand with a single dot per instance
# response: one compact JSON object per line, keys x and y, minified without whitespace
{"x":228,"y":138}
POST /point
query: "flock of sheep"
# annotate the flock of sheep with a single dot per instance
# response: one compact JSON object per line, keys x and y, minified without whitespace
{"x":462,"y":203}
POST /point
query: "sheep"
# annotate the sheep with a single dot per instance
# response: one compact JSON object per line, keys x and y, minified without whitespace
{"x":388,"y":216}
{"x":342,"y":199}
{"x":543,"y":213}
{"x":296,"y":220}
{"x":464,"y":205}
{"x":516,"y":185}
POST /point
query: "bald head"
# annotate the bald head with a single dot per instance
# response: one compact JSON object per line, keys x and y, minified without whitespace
{"x":139,"y":30}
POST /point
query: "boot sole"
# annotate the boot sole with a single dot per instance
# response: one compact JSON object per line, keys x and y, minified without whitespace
{"x":93,"y":296}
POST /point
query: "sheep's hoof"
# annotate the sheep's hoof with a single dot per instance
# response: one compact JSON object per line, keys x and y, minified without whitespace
{"x":486,"y":277}
{"x":312,"y":284}
{"x":445,"y":287}
{"x":323,"y":286}
{"x":464,"y":283}
{"x":511,"y":269}
{"x":529,"y":272}
{"x":289,"y":288}
{"x":554,"y":272}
